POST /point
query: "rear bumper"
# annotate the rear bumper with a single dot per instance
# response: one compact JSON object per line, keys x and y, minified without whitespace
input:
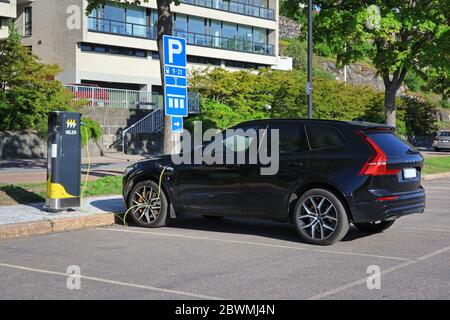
{"x":442,"y":145}
{"x":407,"y":203}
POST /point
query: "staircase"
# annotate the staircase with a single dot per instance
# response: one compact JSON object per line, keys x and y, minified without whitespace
{"x":153,"y":122}
{"x":149,"y":124}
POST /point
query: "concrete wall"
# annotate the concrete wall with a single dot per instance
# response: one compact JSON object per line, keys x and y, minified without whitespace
{"x":53,"y":39}
{"x":21,"y":145}
{"x":8,"y":10}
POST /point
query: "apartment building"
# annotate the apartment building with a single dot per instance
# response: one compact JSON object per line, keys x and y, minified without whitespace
{"x":115,"y":46}
{"x":8,"y":10}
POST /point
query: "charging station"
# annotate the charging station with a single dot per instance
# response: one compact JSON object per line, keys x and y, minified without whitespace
{"x":63,"y":161}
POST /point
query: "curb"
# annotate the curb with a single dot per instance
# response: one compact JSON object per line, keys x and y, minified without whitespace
{"x":16,"y":230}
{"x":435,"y":176}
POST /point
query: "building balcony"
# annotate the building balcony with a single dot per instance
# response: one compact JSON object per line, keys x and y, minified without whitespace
{"x":197,"y":39}
{"x":241,"y":7}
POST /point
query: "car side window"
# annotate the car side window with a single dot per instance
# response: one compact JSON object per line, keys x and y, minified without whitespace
{"x":242,"y":139}
{"x":324,"y":137}
{"x":291,"y":136}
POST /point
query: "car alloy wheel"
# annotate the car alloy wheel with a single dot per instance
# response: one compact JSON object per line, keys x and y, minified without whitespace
{"x":148,"y":204}
{"x":318,"y":217}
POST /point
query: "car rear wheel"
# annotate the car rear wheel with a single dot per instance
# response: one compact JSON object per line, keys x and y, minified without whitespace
{"x":374,"y":227}
{"x":320,"y":217}
{"x":148,"y":205}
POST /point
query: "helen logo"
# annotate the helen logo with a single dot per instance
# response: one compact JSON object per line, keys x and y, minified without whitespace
{"x":71,"y":125}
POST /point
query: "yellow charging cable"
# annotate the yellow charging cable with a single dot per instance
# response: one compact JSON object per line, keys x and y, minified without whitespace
{"x":124,"y":219}
{"x":89,"y":164}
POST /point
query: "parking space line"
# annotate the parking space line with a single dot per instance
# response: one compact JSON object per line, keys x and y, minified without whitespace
{"x":425,"y":229}
{"x":119,"y":283}
{"x":384,"y":272}
{"x":436,"y":198}
{"x":256,"y":244}
{"x":439,"y":211}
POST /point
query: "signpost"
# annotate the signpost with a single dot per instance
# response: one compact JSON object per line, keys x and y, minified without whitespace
{"x":175,"y":88}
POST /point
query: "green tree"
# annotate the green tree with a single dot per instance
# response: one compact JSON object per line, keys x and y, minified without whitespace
{"x":27,"y":89}
{"x":404,"y":36}
{"x":164,"y":27}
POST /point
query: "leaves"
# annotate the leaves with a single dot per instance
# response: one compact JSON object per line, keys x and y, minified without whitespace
{"x":27,"y":89}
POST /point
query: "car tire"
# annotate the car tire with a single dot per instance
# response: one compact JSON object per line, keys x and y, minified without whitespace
{"x":437,"y":149}
{"x":374,"y":227}
{"x":208,"y":217}
{"x":320,"y":217}
{"x":146,"y":192}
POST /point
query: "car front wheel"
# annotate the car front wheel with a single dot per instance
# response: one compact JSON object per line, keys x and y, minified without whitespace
{"x":320,"y":217}
{"x":148,"y":205}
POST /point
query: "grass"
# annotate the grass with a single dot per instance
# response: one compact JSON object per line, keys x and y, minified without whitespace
{"x":436,"y":165}
{"x":23,"y":193}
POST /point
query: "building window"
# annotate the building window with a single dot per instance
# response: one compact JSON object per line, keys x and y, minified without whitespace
{"x":28,"y":14}
{"x":87,"y":47}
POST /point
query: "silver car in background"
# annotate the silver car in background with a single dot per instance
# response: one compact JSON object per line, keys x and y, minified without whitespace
{"x":442,"y":140}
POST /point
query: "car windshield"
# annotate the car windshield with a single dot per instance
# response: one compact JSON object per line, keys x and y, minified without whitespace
{"x":444,"y":134}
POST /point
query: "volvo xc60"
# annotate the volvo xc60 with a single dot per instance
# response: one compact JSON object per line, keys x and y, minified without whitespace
{"x":331,"y":174}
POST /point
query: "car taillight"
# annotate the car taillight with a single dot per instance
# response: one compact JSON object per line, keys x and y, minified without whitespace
{"x":377,"y":164}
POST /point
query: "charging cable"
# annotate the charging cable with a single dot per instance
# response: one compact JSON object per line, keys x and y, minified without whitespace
{"x":143,"y":205}
{"x":89,"y":163}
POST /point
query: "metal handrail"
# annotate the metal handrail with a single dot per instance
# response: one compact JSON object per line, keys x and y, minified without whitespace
{"x":148,"y":124}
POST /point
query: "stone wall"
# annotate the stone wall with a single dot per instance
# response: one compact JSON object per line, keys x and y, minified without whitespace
{"x":21,"y":145}
{"x":289,"y":28}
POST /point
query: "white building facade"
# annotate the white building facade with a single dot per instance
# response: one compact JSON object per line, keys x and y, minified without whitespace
{"x":115,"y":46}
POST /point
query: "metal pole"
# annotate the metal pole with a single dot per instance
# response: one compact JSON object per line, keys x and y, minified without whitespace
{"x":309,"y":88}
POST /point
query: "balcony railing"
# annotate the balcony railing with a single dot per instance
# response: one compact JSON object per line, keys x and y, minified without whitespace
{"x":225,"y":43}
{"x":142,"y":31}
{"x":234,"y":7}
{"x":93,"y":96}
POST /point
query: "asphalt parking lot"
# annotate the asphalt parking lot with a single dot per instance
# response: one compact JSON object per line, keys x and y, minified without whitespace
{"x":235,"y":259}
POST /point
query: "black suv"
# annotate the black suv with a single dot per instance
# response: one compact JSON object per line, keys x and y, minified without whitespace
{"x":331,"y":174}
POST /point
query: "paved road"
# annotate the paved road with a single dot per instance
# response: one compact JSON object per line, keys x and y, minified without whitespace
{"x":235,"y":259}
{"x":35,"y":170}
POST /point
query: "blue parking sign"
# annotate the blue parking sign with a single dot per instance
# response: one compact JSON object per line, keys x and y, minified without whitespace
{"x":177,"y":124}
{"x":175,"y":81}
{"x":176,"y":101}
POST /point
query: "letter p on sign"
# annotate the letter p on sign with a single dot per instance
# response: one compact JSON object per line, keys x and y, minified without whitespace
{"x":174,"y":51}
{"x":175,"y":47}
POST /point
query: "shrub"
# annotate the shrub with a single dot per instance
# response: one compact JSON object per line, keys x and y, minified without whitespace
{"x":90,"y":130}
{"x":231,"y":97}
{"x":420,"y":116}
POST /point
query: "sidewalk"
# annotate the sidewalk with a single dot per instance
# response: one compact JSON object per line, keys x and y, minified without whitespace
{"x":23,"y":220}
{"x":35,"y":170}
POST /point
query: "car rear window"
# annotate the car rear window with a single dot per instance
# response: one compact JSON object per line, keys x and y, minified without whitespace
{"x":390,"y":143}
{"x":321,"y":137}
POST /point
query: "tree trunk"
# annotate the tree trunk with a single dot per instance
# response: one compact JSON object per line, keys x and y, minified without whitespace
{"x":164,"y":28}
{"x":389,"y":101}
